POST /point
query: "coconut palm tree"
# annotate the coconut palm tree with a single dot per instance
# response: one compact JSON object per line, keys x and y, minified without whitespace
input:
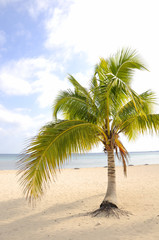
{"x":100,"y":114}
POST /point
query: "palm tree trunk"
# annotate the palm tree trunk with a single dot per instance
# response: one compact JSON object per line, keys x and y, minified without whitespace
{"x":110,"y":197}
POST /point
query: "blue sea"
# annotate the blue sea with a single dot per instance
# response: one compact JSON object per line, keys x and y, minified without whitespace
{"x":88,"y":160}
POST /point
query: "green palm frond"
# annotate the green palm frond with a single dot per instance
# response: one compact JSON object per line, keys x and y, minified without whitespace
{"x":102,"y":70}
{"x":140,"y":124}
{"x":114,"y":77}
{"x":119,"y":93}
{"x":124,"y":112}
{"x":128,"y":111}
{"x":75,"y":106}
{"x":124,"y":63}
{"x":93,"y":83}
{"x":78,"y":87}
{"x":49,"y":150}
{"x":94,"y":90}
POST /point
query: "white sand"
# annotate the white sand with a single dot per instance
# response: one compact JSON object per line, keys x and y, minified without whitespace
{"x":60,"y":213}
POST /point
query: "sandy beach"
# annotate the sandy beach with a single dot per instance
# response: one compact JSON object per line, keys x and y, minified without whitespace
{"x":61,"y":213}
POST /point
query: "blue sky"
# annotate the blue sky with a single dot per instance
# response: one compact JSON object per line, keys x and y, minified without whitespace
{"x":41,"y":41}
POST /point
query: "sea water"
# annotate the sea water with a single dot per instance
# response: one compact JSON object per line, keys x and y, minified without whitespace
{"x":87,"y":160}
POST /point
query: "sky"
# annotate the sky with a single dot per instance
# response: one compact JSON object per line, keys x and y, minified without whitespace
{"x":42,"y":41}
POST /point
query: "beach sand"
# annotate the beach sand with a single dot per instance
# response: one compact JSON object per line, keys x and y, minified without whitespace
{"x":61,"y":213}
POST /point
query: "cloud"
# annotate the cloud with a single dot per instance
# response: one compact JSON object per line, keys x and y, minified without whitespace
{"x":15,"y":118}
{"x":98,"y":28}
{"x":17,"y":77}
{"x":14,"y":85}
{"x":15,"y":121}
{"x":81,"y":29}
{"x":49,"y":85}
{"x":30,"y":76}
{"x":84,"y":78}
{"x":17,"y":127}
{"x":14,"y":77}
{"x":36,"y":7}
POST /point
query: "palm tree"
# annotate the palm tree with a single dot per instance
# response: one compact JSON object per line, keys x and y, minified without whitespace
{"x":100,"y":114}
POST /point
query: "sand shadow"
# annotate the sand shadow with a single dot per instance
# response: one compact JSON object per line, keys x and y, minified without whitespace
{"x":17,"y":217}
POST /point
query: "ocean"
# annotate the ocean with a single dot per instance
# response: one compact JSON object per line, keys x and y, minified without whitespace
{"x":88,"y":160}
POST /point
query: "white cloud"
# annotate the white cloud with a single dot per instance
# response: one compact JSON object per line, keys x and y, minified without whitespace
{"x":20,"y":121}
{"x":99,"y":27}
{"x":17,"y":127}
{"x":48,"y":85}
{"x":17,"y":77}
{"x":14,"y":77}
{"x":145,"y":142}
{"x":14,"y":85}
{"x":34,"y":75}
{"x":36,"y":7}
{"x":84,"y":28}
{"x":83,"y":78}
{"x":23,"y":121}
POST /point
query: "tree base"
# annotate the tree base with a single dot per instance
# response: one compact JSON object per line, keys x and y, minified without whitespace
{"x":108,"y":209}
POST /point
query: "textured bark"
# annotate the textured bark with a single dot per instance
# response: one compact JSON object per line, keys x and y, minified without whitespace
{"x":110,"y":197}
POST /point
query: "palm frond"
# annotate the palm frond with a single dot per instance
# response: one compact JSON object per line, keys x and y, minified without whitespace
{"x":102,"y":69}
{"x":119,"y":93}
{"x":93,"y":89}
{"x":78,"y":87}
{"x":121,"y":153}
{"x":75,"y":106}
{"x":140,"y":124}
{"x":49,"y":150}
{"x":128,"y":111}
{"x":124,"y":63}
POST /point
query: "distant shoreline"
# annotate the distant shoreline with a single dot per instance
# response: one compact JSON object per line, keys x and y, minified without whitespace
{"x":89,"y":152}
{"x":87,"y":168}
{"x":88,"y":160}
